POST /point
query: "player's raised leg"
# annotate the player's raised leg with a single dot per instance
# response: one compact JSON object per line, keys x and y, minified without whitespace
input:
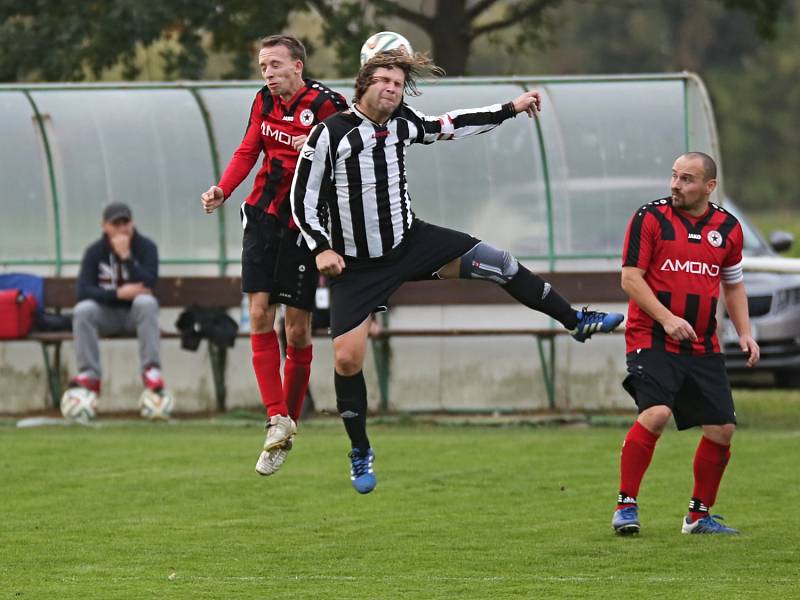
{"x":484,"y":261}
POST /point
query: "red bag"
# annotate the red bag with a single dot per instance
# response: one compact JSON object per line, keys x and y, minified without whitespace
{"x":16,"y":314}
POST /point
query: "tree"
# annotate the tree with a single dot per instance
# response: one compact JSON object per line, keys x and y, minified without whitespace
{"x":453,"y":26}
{"x":64,"y":40}
{"x":68,"y":40}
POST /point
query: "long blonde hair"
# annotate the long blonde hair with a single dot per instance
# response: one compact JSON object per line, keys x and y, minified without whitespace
{"x":413,"y":66}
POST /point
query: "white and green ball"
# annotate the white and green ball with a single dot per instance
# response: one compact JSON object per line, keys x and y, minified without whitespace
{"x":79,"y":404}
{"x":156,"y":406}
{"x":382,"y":41}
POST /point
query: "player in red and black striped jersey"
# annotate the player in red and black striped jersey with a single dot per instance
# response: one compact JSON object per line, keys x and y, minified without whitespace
{"x":277,"y":266}
{"x":677,"y":252}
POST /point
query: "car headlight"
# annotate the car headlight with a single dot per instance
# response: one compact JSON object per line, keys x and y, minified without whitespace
{"x":787,"y":298}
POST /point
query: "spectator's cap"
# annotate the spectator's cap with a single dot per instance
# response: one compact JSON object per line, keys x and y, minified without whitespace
{"x":115,"y":211}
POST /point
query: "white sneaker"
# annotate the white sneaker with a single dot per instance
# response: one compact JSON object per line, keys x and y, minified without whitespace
{"x":280,"y":429}
{"x":270,"y":461}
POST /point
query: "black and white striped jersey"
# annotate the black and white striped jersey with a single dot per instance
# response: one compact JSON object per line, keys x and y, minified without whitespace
{"x":350,"y":189}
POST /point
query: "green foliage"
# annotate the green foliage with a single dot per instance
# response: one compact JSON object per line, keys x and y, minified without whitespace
{"x":758,"y":111}
{"x":140,"y":511}
{"x":66,"y":40}
{"x":778,"y":220}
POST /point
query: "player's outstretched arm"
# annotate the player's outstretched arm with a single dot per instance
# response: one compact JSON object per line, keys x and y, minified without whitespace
{"x":464,"y":122}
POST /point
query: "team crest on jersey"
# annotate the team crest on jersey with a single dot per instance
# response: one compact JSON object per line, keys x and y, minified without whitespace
{"x":307,"y":117}
{"x":714,"y":238}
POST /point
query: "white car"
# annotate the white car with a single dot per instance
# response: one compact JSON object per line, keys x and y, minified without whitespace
{"x":773,"y":293}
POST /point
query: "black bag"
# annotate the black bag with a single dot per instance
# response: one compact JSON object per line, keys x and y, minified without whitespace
{"x":47,"y":321}
{"x":196,"y":323}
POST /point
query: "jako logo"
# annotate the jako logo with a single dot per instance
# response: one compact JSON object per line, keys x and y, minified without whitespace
{"x":690,"y":266}
{"x":281,"y":136}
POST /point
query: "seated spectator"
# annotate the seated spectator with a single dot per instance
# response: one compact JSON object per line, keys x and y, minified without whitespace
{"x":115,"y":296}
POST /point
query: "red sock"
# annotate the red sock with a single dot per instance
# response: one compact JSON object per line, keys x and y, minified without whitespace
{"x":710,"y":461}
{"x":637,"y":452}
{"x":296,"y":372}
{"x":267,"y":366}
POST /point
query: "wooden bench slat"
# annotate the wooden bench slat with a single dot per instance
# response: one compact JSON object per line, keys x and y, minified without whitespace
{"x":172,"y":292}
{"x":176,"y":292}
{"x":577,"y":287}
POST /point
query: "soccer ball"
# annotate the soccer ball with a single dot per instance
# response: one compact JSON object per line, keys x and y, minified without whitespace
{"x":385,"y":40}
{"x":156,"y":406}
{"x":79,"y":404}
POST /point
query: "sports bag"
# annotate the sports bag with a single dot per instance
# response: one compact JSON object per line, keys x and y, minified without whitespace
{"x":17,"y":312}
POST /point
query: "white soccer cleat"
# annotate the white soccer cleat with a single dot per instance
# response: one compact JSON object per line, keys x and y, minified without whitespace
{"x":270,"y":461}
{"x":280,"y":430}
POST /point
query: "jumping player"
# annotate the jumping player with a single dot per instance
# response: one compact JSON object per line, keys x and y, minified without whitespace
{"x":277,"y":266}
{"x":350,"y":200}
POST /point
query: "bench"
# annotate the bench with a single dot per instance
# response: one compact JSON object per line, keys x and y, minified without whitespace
{"x":224,"y":292}
{"x":578,"y":287}
{"x":172,"y":292}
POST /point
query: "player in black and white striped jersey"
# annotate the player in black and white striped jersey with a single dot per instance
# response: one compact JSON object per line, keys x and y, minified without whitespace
{"x":350,"y":200}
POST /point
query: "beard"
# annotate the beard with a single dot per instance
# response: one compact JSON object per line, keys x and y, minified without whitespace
{"x":684,"y":203}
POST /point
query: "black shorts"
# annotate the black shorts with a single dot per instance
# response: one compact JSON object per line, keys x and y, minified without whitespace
{"x":276,"y":260}
{"x":365,"y":285}
{"x":695,"y":388}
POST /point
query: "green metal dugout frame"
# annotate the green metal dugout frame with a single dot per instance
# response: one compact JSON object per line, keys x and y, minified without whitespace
{"x":698,"y":132}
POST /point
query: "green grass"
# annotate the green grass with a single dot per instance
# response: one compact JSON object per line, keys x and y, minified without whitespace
{"x":459,"y":512}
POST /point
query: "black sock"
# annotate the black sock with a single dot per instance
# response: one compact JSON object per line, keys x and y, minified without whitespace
{"x":534,"y":292}
{"x":351,"y":402}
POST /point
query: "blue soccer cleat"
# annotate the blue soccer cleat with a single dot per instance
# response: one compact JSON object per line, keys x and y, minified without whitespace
{"x":592,"y":321}
{"x":362,"y":475}
{"x":707,"y":525}
{"x":626,"y":521}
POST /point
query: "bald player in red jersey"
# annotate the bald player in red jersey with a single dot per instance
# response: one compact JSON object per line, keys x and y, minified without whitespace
{"x":277,"y":266}
{"x":677,"y":252}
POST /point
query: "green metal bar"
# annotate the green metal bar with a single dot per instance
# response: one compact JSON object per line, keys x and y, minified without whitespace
{"x":52,"y":174}
{"x":232,"y":261}
{"x":218,"y":355}
{"x":72,"y":261}
{"x":686,"y":116}
{"x":382,"y":356}
{"x":53,"y":371}
{"x":548,"y":193}
{"x":212,"y":143}
{"x":548,"y":370}
{"x":518,"y":79}
{"x":553,"y":373}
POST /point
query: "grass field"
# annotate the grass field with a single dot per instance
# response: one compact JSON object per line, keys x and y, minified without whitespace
{"x":135,"y":510}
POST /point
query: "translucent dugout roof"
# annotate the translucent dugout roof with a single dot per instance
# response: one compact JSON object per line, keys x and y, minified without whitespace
{"x":557,"y":190}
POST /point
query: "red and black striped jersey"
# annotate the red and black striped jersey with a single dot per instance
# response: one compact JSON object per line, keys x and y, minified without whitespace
{"x":684,"y":258}
{"x":271,"y":128}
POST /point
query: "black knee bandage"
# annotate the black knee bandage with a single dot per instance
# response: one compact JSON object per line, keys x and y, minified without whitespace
{"x":487,"y":262}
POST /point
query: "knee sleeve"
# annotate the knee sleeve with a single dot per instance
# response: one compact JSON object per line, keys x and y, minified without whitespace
{"x":487,"y":262}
